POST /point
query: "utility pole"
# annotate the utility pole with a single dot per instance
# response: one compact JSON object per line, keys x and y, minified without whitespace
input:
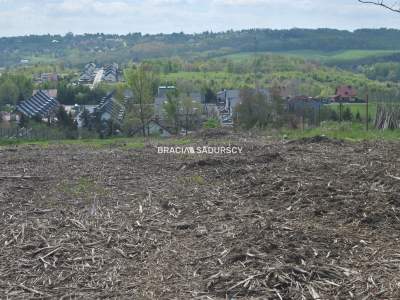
{"x":319,"y":114}
{"x":255,"y":60}
{"x":367,"y":113}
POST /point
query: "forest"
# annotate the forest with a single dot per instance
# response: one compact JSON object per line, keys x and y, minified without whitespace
{"x":78,"y":49}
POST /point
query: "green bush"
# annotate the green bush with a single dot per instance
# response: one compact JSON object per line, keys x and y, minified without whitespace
{"x":212,"y":123}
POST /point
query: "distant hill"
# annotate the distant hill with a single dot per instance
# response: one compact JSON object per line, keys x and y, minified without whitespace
{"x":327,"y":45}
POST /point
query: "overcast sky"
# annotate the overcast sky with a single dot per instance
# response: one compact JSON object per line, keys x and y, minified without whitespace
{"x":20,"y":17}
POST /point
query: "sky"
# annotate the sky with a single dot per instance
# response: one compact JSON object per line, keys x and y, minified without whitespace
{"x":21,"y":17}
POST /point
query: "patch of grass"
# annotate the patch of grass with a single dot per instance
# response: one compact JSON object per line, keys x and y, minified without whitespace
{"x":128,"y":143}
{"x":345,"y":55}
{"x":97,"y":143}
{"x":357,"y":108}
{"x":344,"y":131}
{"x":322,"y":56}
{"x":196,"y":76}
{"x":196,"y":180}
{"x":80,"y":188}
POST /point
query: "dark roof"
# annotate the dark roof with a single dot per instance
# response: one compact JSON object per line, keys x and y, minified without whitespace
{"x":88,"y":73}
{"x":40,"y":105}
{"x":164,"y":90}
{"x":110,"y":105}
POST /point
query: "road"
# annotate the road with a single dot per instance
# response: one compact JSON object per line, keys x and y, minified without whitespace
{"x":97,"y":78}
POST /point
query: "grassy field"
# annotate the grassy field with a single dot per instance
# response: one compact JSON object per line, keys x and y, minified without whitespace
{"x":357,"y":108}
{"x":129,"y":143}
{"x":344,"y":131}
{"x":322,"y":56}
{"x":220,"y":79}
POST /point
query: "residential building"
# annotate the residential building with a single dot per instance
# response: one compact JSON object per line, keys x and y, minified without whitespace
{"x":88,"y":74}
{"x":52,"y":93}
{"x":160,"y":99}
{"x":154,"y":127}
{"x":164,"y":90}
{"x":39,"y":105}
{"x":345,"y":93}
{"x":46,"y":77}
{"x":228,"y":100}
{"x":110,"y":73}
{"x":111,"y":109}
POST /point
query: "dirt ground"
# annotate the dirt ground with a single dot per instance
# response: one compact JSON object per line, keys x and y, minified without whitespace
{"x":308,"y":219}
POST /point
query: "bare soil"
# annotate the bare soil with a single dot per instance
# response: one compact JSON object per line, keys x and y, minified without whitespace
{"x":309,"y":219}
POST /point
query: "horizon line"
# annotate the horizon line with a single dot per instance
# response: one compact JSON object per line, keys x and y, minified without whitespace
{"x":198,"y":33}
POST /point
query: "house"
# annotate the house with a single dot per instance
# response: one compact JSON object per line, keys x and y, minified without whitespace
{"x":197,"y":97}
{"x":300,"y":103}
{"x":154,"y":127}
{"x":228,"y":100}
{"x":88,"y":74}
{"x":159,"y":107}
{"x":111,"y":109}
{"x":47,"y":77}
{"x":52,"y":93}
{"x":345,"y":93}
{"x":39,"y":105}
{"x":78,"y":110}
{"x":128,"y":95}
{"x":5,"y":116}
{"x":110,"y":73}
{"x":164,"y":90}
{"x":160,"y":99}
{"x":87,"y":78}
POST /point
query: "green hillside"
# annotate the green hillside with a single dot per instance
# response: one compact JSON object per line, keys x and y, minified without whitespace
{"x":328,"y":57}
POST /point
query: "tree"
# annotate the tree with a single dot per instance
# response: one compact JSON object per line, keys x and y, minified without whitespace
{"x":131,"y":123}
{"x":171,"y":107}
{"x":65,"y":120}
{"x":278,"y":104}
{"x":85,"y":119}
{"x":254,"y":110}
{"x":8,"y":92}
{"x":210,"y":96}
{"x":190,"y":110}
{"x":347,"y":114}
{"x":140,"y":80}
{"x":391,"y":5}
{"x":23,"y":121}
{"x":24,"y":85}
{"x":212,"y":123}
{"x":358,"y":117}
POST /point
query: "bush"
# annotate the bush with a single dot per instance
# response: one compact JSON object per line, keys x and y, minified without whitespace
{"x":347,"y":114}
{"x":212,"y":123}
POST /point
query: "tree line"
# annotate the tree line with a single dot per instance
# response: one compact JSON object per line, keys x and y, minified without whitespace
{"x":75,"y":50}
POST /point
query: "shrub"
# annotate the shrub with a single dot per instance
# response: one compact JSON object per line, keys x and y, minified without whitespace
{"x":212,"y":123}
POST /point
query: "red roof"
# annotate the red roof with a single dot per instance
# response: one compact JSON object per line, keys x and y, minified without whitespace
{"x":346,"y":91}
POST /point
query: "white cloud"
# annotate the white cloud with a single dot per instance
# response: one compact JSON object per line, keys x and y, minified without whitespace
{"x":90,"y":6}
{"x":151,"y":16}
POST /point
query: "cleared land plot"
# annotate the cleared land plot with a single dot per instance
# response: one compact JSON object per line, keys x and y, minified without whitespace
{"x":316,"y":218}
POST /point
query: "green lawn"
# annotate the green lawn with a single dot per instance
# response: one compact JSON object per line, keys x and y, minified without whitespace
{"x":357,"y":108}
